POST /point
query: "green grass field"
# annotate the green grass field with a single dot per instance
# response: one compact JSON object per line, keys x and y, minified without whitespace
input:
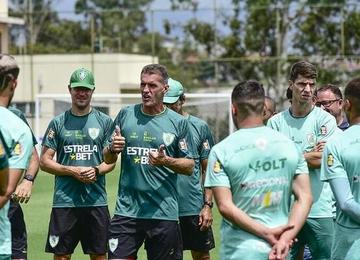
{"x":37,"y":214}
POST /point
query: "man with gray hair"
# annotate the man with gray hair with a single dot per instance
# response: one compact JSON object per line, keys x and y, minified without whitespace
{"x":155,"y":145}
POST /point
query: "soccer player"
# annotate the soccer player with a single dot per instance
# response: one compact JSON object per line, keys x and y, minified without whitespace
{"x":77,"y":137}
{"x":341,"y":168}
{"x":156,"y":146}
{"x":307,"y":125}
{"x":22,"y":194}
{"x":329,"y":98}
{"x":17,"y":138}
{"x":269,"y":108}
{"x":252,"y":174}
{"x":195,"y":203}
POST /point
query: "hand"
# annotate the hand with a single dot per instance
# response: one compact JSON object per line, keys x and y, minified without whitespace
{"x":205,"y":218}
{"x":281,"y":249}
{"x":23,"y":191}
{"x":319,"y":147}
{"x":118,"y":141}
{"x":273,"y":234}
{"x":158,"y":158}
{"x":84,"y":174}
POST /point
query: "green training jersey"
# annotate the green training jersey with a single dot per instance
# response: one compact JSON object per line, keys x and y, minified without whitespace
{"x":17,"y":138}
{"x":341,"y":160}
{"x":258,"y":165}
{"x":23,"y":118}
{"x":147,"y":191}
{"x":306,"y":132}
{"x":78,"y":141}
{"x":191,"y":196}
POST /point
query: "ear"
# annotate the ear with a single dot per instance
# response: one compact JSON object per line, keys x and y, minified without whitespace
{"x":291,"y":83}
{"x":347,"y":105}
{"x":69,"y":88}
{"x":14,"y":84}
{"x":166,"y":88}
{"x":233,"y":109}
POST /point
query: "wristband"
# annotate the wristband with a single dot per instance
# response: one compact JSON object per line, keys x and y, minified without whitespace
{"x":210,"y":204}
{"x":29,"y":177}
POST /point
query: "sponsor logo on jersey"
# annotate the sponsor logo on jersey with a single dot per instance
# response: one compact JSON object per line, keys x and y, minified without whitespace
{"x":356,"y":178}
{"x":183,"y":145}
{"x":93,"y":132}
{"x":140,"y":154}
{"x":113,"y":244}
{"x":2,"y":150}
{"x":330,"y":160}
{"x":168,"y":138}
{"x":134,"y":135}
{"x":148,"y":138}
{"x":217,"y":167}
{"x":267,"y":199}
{"x":17,"y":149}
{"x":270,"y":182}
{"x":51,"y":134}
{"x":268,"y":165}
{"x":53,"y":240}
{"x":323,"y":130}
{"x":206,"y":145}
{"x":80,"y":152}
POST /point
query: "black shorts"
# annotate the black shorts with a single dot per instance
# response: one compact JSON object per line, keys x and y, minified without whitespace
{"x":193,"y":238}
{"x":68,"y":226}
{"x":18,"y":231}
{"x":162,"y":238}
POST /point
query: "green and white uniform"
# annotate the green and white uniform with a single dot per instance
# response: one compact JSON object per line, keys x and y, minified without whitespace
{"x":191,"y":198}
{"x":3,"y":154}
{"x":17,"y":137}
{"x":146,"y":191}
{"x":78,"y":141}
{"x":23,"y":118}
{"x":258,"y":165}
{"x":341,"y":160}
{"x":305,"y":132}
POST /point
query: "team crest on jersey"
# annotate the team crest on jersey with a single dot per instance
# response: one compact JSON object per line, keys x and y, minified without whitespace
{"x":311,"y":139}
{"x":323,"y":130}
{"x":330,"y":160}
{"x":206,"y":145}
{"x":261,"y":143}
{"x":53,"y":240}
{"x":93,"y":132}
{"x":51,"y":134}
{"x":17,"y":149}
{"x":113,"y":243}
{"x":168,"y":138}
{"x":217,"y":167}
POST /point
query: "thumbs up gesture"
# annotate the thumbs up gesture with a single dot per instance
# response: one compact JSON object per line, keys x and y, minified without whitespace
{"x":158,"y":158}
{"x":118,"y":141}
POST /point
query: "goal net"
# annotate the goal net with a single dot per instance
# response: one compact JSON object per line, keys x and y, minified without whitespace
{"x":214,"y":108}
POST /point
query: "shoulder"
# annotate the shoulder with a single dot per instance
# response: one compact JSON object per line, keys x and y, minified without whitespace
{"x":101,"y":116}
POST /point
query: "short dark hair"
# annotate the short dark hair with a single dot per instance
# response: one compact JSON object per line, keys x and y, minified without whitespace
{"x":289,"y":93}
{"x":303,"y":68}
{"x":156,"y":69}
{"x":352,"y":91}
{"x":249,"y":97}
{"x":333,"y":88}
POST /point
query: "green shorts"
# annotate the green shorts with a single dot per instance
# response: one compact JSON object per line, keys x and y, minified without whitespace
{"x":346,"y":245}
{"x":318,"y":234}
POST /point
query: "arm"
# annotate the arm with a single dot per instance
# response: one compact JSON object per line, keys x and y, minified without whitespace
{"x":14,"y":177}
{"x":178,"y":165}
{"x":228,"y":210}
{"x":299,"y":212}
{"x":105,"y":168}
{"x":205,"y":216}
{"x":47,"y":164}
{"x":23,"y":190}
{"x":4,"y":179}
{"x":345,"y":199}
{"x":313,"y":159}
